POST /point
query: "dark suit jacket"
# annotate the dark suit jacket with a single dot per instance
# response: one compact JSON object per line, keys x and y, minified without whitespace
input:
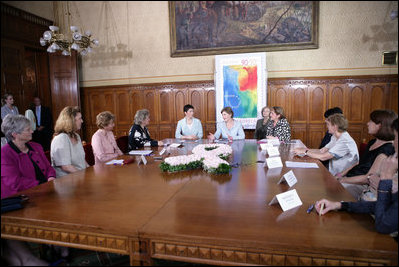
{"x":46,"y":119}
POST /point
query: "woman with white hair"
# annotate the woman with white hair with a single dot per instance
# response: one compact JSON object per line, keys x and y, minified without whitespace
{"x":138,"y":135}
{"x":23,"y":163}
{"x":31,"y":117}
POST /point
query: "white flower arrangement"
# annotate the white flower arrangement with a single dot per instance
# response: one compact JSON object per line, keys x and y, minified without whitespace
{"x":213,"y":150}
{"x":216,"y":165}
{"x":212,"y":157}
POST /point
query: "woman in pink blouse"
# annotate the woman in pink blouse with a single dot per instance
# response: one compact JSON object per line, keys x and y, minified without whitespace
{"x":103,"y":141}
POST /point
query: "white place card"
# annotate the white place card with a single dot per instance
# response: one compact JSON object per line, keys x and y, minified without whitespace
{"x":290,"y":178}
{"x":162,"y":151}
{"x":287,"y":200}
{"x":274,"y":142}
{"x":274,"y":162}
{"x":265,"y":146}
{"x":273,"y":151}
{"x":143,"y":160}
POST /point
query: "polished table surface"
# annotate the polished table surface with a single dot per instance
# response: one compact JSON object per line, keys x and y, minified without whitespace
{"x":194,"y":216}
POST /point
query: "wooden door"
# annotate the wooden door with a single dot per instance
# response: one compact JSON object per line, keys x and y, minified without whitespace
{"x":12,"y":71}
{"x":64,"y":82}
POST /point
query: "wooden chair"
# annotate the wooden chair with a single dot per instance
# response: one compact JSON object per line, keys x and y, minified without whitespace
{"x":123,"y":143}
{"x":362,"y":147}
{"x":89,"y":156}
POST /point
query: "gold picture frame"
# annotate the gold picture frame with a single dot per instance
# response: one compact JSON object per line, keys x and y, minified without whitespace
{"x":225,"y":27}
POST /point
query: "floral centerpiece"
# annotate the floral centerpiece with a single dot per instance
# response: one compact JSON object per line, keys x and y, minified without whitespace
{"x":181,"y":163}
{"x":213,"y":150}
{"x":216,"y":165}
{"x":212,"y":157}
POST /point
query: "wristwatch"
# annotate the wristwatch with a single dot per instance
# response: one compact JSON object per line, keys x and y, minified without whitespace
{"x":306,"y":152}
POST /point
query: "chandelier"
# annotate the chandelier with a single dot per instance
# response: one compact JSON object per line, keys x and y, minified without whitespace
{"x":75,"y":40}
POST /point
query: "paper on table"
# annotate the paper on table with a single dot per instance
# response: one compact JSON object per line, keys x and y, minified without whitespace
{"x":115,"y":161}
{"x":300,"y":164}
{"x":274,"y":142}
{"x":140,"y":152}
{"x":265,"y":146}
{"x":175,"y":145}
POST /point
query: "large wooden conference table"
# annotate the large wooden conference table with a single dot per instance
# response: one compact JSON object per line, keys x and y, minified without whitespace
{"x":193,"y":216}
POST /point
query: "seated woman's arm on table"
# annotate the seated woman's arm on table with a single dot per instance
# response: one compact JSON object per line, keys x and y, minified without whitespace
{"x":364,"y":179}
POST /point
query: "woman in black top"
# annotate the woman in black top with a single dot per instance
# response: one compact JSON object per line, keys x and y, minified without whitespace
{"x":377,"y":151}
{"x":261,"y":124}
{"x":138,"y":135}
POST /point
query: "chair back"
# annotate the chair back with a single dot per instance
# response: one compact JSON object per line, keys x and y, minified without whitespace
{"x":89,"y":155}
{"x":362,"y":147}
{"x":123,"y":143}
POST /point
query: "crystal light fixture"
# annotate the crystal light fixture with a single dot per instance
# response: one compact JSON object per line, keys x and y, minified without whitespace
{"x":57,"y":41}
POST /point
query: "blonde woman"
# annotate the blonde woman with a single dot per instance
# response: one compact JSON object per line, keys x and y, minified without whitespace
{"x":103,"y":140}
{"x":67,"y":153}
{"x":8,"y":106}
{"x":341,"y":151}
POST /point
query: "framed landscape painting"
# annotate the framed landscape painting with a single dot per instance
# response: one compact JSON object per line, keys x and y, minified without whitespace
{"x":221,"y":27}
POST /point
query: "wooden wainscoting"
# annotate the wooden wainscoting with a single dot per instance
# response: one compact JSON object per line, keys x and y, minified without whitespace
{"x":165,"y":103}
{"x":303,"y":99}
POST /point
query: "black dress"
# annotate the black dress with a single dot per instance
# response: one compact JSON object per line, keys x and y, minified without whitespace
{"x":139,"y":137}
{"x":260,"y":130}
{"x":368,"y":158}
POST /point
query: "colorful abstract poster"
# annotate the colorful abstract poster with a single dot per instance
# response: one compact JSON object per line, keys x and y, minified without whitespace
{"x":240,"y":83}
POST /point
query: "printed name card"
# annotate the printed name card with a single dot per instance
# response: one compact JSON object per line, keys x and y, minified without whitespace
{"x":143,"y":160}
{"x":162,"y":151}
{"x":273,"y":151}
{"x":265,"y":146}
{"x":287,"y":200}
{"x":274,"y":142}
{"x":290,"y":178}
{"x":274,"y":162}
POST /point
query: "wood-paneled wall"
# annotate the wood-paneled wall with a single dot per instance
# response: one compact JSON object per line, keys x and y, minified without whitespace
{"x":24,"y":62}
{"x":303,"y":99}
